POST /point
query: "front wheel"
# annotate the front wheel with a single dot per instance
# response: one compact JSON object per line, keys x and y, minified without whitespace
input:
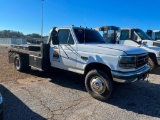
{"x":98,"y":84}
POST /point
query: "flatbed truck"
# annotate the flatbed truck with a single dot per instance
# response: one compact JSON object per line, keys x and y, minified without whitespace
{"x":84,"y":51}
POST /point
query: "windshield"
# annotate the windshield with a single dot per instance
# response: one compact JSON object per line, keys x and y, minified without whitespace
{"x":142,"y":34}
{"x":110,"y":36}
{"x":88,"y":36}
{"x":157,"y":35}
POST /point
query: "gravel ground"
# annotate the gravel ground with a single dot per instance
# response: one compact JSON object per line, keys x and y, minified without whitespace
{"x":52,"y":95}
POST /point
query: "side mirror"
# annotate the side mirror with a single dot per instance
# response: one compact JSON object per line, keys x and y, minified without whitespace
{"x":55,"y":40}
{"x":139,"y":42}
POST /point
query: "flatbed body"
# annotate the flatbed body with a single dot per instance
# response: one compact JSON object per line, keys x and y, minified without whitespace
{"x":38,"y":54}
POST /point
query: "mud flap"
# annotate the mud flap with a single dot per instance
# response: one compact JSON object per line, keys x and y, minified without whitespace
{"x":11,"y":56}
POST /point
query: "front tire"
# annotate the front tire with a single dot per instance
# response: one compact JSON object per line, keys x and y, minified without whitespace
{"x":98,"y":84}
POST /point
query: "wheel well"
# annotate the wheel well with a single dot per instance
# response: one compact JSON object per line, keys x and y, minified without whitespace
{"x":153,"y":57}
{"x":101,"y":66}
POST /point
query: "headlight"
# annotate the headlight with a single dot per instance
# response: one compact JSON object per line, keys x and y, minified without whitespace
{"x":1,"y":99}
{"x":127,"y":62}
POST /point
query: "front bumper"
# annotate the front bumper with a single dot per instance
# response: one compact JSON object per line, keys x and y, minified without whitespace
{"x":158,"y":60}
{"x":126,"y":77}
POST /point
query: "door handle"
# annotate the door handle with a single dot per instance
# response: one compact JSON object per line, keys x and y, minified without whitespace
{"x":84,"y":58}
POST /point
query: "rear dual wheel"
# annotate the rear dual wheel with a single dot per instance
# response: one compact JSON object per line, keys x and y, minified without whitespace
{"x":21,"y":63}
{"x":17,"y":63}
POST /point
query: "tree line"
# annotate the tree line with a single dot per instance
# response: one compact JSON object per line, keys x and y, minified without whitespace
{"x":17,"y":34}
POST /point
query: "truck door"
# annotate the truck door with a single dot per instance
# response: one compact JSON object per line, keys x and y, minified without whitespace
{"x":63,"y":55}
{"x":126,"y":38}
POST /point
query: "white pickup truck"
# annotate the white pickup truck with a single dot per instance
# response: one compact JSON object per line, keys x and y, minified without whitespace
{"x":133,"y":37}
{"x":84,"y":51}
{"x":154,"y":34}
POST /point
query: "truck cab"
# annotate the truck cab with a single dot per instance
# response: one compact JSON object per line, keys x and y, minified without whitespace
{"x":133,"y":37}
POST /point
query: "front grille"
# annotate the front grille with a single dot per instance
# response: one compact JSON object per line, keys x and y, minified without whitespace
{"x":141,"y":60}
{"x":156,"y":44}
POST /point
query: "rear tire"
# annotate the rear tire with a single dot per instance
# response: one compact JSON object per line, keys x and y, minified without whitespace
{"x":21,"y":63}
{"x":98,"y":84}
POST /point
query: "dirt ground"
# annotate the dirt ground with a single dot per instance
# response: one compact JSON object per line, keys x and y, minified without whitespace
{"x":7,"y":71}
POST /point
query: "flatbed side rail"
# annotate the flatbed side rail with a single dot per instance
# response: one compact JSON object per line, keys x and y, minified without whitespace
{"x":38,"y":54}
{"x":13,"y":51}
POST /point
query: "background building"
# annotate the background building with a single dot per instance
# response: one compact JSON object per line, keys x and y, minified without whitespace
{"x":8,"y":41}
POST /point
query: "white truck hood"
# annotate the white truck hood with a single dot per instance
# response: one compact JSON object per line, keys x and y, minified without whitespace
{"x":112,"y":49}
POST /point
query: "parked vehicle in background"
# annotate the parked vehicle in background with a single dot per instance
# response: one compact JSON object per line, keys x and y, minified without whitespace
{"x":1,"y":107}
{"x":133,"y":37}
{"x":84,"y":51}
{"x":154,"y":34}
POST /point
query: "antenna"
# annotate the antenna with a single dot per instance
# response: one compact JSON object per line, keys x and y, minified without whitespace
{"x":84,"y":37}
{"x":84,"y":30}
{"x":42,"y":21}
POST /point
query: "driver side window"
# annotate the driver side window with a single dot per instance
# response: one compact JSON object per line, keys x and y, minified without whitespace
{"x":65,"y":37}
{"x":124,"y":35}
